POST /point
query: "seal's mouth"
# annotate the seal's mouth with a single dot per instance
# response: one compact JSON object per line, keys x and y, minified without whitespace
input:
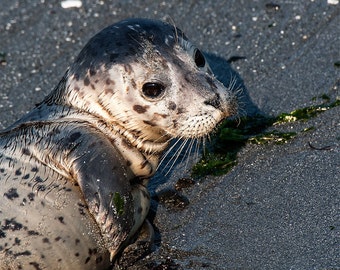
{"x":201,"y":125}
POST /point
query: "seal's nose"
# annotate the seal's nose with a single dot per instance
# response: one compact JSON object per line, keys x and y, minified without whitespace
{"x":215,"y":101}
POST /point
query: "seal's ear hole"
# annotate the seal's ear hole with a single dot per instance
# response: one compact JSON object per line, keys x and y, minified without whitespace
{"x":153,"y":90}
{"x":199,"y":58}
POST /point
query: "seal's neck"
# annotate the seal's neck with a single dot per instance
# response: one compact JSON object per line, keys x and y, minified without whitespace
{"x":142,"y":156}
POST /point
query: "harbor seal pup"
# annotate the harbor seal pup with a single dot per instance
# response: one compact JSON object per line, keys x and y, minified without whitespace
{"x":74,"y":171}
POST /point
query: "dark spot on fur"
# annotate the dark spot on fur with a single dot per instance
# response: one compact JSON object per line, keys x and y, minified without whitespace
{"x":133,"y":83}
{"x":139,"y":210}
{"x":39,"y":179}
{"x":175,"y":123}
{"x":149,"y":123}
{"x":109,"y":81}
{"x":87,"y":260}
{"x":92,"y":72}
{"x":46,"y":240}
{"x":82,"y":209}
{"x":24,"y":253}
{"x":17,"y":241}
{"x":9,"y":158}
{"x":57,"y":238}
{"x":26,"y":152}
{"x":86,"y":81}
{"x":128,"y":163}
{"x":24,"y":201}
{"x":11,"y":194}
{"x":77,"y":241}
{"x":127,"y":143}
{"x":31,"y":196}
{"x":77,"y":254}
{"x":136,"y":132}
{"x":109,"y":91}
{"x":18,"y":172}
{"x":11,"y":225}
{"x":26,"y":176}
{"x":140,"y":109}
{"x":180,"y":110}
{"x":128,"y":69}
{"x":172,"y":106}
{"x":161,"y":115}
{"x":61,"y":219}
{"x":35,"y":169}
{"x":35,"y":265}
{"x":32,"y":232}
{"x":2,"y":235}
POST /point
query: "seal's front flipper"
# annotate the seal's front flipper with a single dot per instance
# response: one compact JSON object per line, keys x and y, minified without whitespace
{"x":103,"y":178}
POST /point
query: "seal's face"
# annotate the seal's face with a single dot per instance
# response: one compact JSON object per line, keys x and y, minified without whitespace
{"x":147,"y":78}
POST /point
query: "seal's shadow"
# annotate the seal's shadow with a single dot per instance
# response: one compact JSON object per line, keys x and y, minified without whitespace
{"x":164,"y":179}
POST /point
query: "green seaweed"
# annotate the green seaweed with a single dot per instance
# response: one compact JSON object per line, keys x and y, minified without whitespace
{"x":274,"y":136}
{"x":232,"y":136}
{"x":215,"y":164}
{"x":118,"y":202}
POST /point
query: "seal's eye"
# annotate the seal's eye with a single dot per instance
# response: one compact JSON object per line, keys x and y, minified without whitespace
{"x":153,"y":90}
{"x":199,"y":58}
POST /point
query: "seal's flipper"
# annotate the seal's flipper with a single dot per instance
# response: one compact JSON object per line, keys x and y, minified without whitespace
{"x":103,"y":179}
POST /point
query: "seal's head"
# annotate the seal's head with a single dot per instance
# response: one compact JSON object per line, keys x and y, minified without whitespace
{"x":148,"y":79}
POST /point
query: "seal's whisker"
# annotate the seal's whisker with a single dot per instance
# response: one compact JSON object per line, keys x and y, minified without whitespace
{"x":175,"y":157}
{"x":197,"y":148}
{"x":187,"y":153}
{"x":167,"y":153}
{"x":187,"y":149}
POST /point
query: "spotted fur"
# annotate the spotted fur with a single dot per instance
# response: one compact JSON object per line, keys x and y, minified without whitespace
{"x":73,"y":172}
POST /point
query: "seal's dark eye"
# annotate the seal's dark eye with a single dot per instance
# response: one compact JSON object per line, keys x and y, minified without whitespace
{"x":153,"y":90}
{"x":199,"y":58}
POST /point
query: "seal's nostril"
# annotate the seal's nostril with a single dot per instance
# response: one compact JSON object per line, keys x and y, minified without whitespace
{"x":215,"y":102}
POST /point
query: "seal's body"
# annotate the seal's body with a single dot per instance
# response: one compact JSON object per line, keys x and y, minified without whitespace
{"x":73,"y":172}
